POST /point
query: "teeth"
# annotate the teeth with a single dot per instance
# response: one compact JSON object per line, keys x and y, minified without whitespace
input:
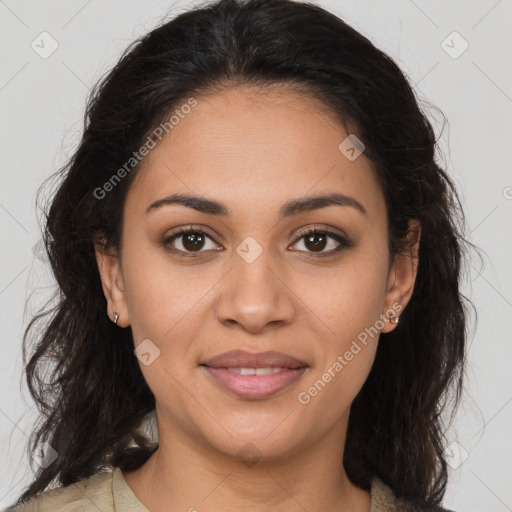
{"x":256,"y":371}
{"x":267,"y":371}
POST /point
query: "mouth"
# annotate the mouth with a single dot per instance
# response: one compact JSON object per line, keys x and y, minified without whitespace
{"x":254,"y":375}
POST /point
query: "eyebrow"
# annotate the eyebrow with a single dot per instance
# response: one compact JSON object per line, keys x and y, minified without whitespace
{"x":289,"y":209}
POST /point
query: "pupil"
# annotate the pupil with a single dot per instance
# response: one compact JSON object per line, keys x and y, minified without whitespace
{"x":194,"y":239}
{"x":316,"y":245}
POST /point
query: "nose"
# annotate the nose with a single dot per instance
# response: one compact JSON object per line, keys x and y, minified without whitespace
{"x":254,"y":295}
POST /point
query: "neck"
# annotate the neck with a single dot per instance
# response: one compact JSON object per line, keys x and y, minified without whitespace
{"x":186,"y":473}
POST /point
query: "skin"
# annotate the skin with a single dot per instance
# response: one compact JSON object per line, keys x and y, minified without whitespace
{"x":253,"y":150}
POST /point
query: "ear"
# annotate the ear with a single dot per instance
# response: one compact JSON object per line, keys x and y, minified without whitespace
{"x":109,"y":267}
{"x":402,"y":277}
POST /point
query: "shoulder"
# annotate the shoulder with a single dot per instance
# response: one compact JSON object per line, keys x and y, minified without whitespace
{"x":383,"y":499}
{"x":94,"y":493}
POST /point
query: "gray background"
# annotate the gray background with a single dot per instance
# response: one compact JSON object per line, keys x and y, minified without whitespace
{"x":42,"y":102}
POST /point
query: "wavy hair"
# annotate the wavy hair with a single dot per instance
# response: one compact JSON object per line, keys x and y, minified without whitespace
{"x":81,"y":370}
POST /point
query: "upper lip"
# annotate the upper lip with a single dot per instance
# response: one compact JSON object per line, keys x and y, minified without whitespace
{"x":244,"y":359}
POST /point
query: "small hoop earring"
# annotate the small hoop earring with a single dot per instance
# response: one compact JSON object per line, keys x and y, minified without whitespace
{"x":116,"y":317}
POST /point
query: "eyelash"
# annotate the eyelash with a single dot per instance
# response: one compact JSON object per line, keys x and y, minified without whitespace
{"x":343,"y":241}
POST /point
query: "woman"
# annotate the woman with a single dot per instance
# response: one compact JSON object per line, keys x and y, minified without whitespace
{"x":254,"y":241}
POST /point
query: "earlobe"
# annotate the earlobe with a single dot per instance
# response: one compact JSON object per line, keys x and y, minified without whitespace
{"x":112,"y":283}
{"x":402,"y":277}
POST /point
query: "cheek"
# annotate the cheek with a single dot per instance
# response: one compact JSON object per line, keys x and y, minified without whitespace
{"x":344,"y":353}
{"x":327,"y":396}
{"x":162,"y":298}
{"x":344,"y":299}
{"x":348,"y":310}
{"x":163,"y":308}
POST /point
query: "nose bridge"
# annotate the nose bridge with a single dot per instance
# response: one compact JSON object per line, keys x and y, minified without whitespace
{"x":253,"y":293}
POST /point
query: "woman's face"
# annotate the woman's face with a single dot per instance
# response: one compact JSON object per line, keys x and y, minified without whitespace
{"x":252,"y":281}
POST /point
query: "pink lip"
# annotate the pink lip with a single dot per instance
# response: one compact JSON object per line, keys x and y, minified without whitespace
{"x":245,"y":359}
{"x":254,"y":386}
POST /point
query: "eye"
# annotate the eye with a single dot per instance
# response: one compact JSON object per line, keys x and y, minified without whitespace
{"x":316,"y":240}
{"x":186,"y":242}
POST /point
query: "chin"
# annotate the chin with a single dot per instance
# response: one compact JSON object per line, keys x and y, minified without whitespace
{"x":258,"y":443}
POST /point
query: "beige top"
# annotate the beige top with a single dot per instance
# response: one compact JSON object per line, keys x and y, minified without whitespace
{"x":108,"y":492}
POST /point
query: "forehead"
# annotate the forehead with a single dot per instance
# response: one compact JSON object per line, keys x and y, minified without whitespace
{"x":256,"y":146}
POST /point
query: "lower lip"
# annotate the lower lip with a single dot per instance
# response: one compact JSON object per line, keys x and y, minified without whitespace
{"x":255,"y":386}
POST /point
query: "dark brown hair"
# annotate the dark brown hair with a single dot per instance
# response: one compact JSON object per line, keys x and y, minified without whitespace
{"x":95,"y":398}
